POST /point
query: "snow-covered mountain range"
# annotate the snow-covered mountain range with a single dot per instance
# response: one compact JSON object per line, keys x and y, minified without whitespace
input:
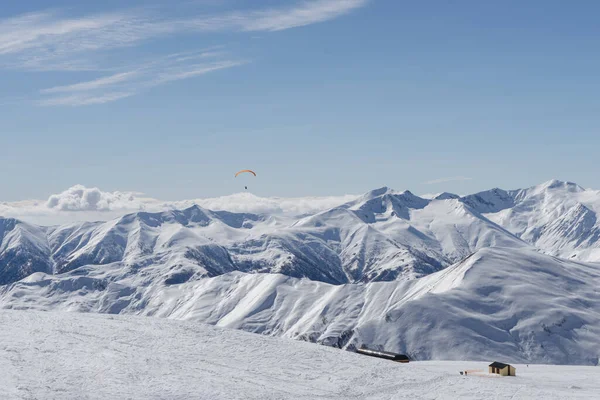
{"x":497,"y":272}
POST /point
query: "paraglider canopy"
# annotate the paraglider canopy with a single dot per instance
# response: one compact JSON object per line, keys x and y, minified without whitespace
{"x":245,"y":170}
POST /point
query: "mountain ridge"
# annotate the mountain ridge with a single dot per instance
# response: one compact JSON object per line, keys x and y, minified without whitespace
{"x":382,"y":235}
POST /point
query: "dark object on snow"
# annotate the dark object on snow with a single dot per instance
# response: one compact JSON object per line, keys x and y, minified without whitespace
{"x":383,"y":354}
{"x":502,"y":369}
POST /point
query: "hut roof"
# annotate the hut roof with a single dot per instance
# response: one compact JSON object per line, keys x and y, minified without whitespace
{"x":497,"y":364}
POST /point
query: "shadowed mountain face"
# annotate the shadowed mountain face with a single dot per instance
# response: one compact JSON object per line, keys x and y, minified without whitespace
{"x":23,"y":250}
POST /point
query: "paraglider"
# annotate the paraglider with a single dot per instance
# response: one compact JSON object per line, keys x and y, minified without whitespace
{"x":245,"y":171}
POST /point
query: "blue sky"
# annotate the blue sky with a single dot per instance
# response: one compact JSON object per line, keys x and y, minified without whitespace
{"x":320,"y":97}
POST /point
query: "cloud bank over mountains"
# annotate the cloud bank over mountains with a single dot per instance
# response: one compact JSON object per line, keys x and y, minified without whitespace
{"x":80,"y":198}
{"x":81,"y":203}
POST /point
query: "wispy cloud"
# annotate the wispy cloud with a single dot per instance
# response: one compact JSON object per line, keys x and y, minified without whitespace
{"x":126,"y":84}
{"x":46,"y":40}
{"x":449,"y":179}
{"x":84,"y":99}
{"x":190,"y":71}
{"x":52,"y":41}
{"x":303,"y":14}
{"x":94,"y":84}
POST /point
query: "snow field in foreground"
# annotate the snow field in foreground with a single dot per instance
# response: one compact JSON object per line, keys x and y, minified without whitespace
{"x":48,"y":355}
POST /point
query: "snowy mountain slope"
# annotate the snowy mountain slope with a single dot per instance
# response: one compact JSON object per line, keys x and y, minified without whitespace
{"x":559,"y":218}
{"x":141,"y":239}
{"x":23,"y":250}
{"x":491,"y":201}
{"x":49,"y":355}
{"x":380,"y":236}
{"x":405,"y":236}
{"x":515,"y":303}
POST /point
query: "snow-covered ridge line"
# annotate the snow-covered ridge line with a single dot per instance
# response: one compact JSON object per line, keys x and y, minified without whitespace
{"x":383,"y":235}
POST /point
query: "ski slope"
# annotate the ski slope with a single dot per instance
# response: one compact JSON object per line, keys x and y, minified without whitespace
{"x":89,"y":356}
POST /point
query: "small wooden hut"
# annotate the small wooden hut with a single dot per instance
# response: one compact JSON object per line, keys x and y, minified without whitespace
{"x":502,"y":369}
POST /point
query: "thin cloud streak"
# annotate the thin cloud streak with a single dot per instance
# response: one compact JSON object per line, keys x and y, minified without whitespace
{"x":450,"y":179}
{"x":194,"y":70}
{"x":271,"y":20}
{"x":305,"y":14}
{"x":126,"y":84}
{"x":84,"y":99}
{"x":94,"y":84}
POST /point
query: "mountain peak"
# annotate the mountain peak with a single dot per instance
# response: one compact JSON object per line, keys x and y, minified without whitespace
{"x":378,"y":192}
{"x":490,"y":201}
{"x":412,"y":200}
{"x":8,"y":220}
{"x":446,"y":196}
{"x":558,"y":184}
{"x":193,"y":208}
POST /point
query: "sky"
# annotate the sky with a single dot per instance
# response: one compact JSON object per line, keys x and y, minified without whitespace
{"x":319,"y":97}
